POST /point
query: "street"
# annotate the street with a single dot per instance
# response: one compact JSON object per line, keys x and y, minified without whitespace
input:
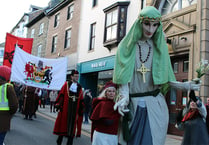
{"x":37,"y":132}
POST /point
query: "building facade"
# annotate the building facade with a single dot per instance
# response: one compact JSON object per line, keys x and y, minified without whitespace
{"x":20,"y":29}
{"x":63,"y":30}
{"x":103,"y":25}
{"x":38,"y":30}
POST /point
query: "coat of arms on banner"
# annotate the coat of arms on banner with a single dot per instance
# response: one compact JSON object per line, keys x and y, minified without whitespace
{"x":38,"y":73}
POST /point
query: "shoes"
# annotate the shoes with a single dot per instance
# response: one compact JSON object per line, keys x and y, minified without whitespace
{"x":59,"y":140}
{"x":30,"y":118}
{"x":78,"y":135}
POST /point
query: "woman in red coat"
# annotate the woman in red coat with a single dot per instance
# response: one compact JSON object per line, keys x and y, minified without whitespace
{"x":104,"y":118}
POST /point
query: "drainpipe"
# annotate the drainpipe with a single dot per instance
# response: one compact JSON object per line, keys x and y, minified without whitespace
{"x":179,"y":4}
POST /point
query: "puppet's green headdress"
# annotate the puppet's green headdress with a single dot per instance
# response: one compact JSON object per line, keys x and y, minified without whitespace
{"x":125,"y":58}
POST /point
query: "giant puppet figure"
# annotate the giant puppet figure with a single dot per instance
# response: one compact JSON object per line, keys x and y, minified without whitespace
{"x":70,"y":105}
{"x":144,"y":73}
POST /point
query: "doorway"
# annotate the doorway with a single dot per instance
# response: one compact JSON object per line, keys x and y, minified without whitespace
{"x":177,"y":99}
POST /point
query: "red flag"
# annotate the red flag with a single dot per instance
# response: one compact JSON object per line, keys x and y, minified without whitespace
{"x":11,"y":40}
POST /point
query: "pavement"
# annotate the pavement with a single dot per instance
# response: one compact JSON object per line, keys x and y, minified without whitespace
{"x":170,"y":139}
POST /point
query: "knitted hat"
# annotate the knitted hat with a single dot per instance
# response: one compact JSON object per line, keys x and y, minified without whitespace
{"x":110,"y":84}
{"x":5,"y":73}
{"x":74,"y":72}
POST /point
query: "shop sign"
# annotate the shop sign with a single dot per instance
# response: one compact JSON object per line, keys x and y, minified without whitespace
{"x":98,"y":64}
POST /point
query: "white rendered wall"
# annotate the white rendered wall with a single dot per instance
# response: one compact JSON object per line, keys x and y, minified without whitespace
{"x":91,"y":15}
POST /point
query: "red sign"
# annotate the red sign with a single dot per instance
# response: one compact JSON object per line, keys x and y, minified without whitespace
{"x":11,"y":40}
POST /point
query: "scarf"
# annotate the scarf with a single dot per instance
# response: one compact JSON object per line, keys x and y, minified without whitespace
{"x":192,"y":114}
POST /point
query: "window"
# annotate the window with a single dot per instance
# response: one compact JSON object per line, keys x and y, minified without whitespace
{"x":1,"y":53}
{"x":94,"y":3}
{"x":67,"y":38}
{"x":56,"y":20}
{"x":41,"y":29}
{"x":32,"y":33}
{"x":111,"y":25}
{"x":70,"y":12}
{"x":175,"y":67}
{"x":115,"y":23}
{"x":39,"y":50}
{"x":169,"y":6}
{"x":173,"y":95}
{"x":54,"y":44}
{"x":185,"y":66}
{"x":92,"y":36}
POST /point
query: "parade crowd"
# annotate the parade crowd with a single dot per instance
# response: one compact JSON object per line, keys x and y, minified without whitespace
{"x":130,"y":110}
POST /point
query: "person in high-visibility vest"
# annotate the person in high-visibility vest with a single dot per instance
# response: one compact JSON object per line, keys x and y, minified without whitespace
{"x":8,"y":102}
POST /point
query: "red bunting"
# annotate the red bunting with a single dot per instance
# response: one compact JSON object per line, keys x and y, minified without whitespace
{"x":11,"y":40}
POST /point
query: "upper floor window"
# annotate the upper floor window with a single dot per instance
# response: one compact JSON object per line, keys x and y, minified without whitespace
{"x":1,"y":53}
{"x":54,"y":44}
{"x":169,"y":6}
{"x":185,"y":66}
{"x":56,"y":20}
{"x":94,"y":3}
{"x":67,"y":38}
{"x":32,"y":33}
{"x":175,"y":67}
{"x":39,"y":50}
{"x":41,"y":29}
{"x":115,"y":23}
{"x":92,"y":36}
{"x":70,"y":12}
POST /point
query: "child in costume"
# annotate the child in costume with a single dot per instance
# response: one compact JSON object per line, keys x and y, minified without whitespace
{"x":144,"y":73}
{"x":104,"y":119}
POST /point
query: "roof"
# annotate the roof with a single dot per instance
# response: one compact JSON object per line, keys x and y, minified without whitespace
{"x":58,"y":7}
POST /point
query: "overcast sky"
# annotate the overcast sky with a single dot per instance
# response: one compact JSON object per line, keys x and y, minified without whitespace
{"x":11,"y":12}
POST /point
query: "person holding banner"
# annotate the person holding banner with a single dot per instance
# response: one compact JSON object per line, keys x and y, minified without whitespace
{"x":8,"y":102}
{"x":29,"y":102}
{"x":69,"y":103}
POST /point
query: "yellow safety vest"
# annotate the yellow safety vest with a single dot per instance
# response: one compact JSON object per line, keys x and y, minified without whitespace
{"x":4,"y":105}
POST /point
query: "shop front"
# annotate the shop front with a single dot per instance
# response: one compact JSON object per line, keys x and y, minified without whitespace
{"x":95,"y":73}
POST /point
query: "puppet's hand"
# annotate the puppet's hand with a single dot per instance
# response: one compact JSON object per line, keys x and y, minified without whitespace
{"x":197,"y":80}
{"x":121,"y":105}
{"x":191,"y":85}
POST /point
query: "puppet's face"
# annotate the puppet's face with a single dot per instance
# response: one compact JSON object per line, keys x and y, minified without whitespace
{"x":149,"y":28}
{"x":110,"y":93}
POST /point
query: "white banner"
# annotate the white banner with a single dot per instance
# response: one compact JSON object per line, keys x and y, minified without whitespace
{"x":38,"y":72}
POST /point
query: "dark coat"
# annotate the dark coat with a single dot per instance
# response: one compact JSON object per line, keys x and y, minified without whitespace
{"x":29,"y":101}
{"x":5,"y":116}
{"x":207,"y":117}
{"x":195,"y":132}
